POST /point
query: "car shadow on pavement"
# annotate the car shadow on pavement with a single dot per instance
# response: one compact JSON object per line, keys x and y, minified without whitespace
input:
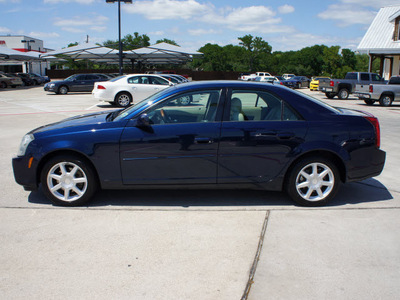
{"x":366,"y":191}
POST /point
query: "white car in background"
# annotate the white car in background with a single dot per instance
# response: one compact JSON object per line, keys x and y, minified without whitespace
{"x":127,"y":89}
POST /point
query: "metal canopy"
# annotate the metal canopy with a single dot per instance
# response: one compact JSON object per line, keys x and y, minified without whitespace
{"x":161,"y":53}
{"x":14,"y":55}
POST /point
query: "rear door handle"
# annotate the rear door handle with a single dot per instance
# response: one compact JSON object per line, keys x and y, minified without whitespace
{"x":285,"y":135}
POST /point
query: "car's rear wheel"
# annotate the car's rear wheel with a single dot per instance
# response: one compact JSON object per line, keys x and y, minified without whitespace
{"x":330,"y":95}
{"x":386,"y":100}
{"x":68,"y":180}
{"x":313,"y":181}
{"x":343,"y":94}
{"x":369,"y":101}
{"x":3,"y":85}
{"x":63,"y":90}
{"x":123,"y":99}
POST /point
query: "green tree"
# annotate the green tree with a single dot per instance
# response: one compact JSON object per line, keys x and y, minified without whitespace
{"x":168,"y":41}
{"x":257,"y":50}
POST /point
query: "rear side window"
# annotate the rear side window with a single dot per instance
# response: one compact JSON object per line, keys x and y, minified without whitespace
{"x":364,"y":76}
{"x":259,"y":106}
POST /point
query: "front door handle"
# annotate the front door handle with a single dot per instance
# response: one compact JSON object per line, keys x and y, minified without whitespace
{"x":203,"y":140}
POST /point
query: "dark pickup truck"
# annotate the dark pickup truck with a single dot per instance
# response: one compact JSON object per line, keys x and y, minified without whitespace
{"x":344,"y":87}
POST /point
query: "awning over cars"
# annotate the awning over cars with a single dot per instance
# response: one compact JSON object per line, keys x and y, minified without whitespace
{"x":14,"y":55}
{"x":85,"y":51}
{"x":161,"y":53}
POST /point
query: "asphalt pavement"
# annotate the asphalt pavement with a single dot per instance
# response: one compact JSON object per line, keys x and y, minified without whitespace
{"x":151,"y":244}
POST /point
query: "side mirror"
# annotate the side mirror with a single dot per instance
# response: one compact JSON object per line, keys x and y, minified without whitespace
{"x":143,"y":121}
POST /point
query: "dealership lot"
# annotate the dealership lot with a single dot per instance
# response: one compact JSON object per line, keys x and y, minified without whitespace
{"x":195,"y":244}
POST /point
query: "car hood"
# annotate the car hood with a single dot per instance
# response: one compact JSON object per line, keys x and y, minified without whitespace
{"x":88,"y":120}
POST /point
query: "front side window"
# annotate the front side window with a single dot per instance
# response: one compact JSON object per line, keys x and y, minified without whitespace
{"x":259,"y":106}
{"x":199,"y":106}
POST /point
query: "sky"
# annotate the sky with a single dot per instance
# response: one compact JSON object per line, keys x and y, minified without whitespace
{"x":285,"y":24}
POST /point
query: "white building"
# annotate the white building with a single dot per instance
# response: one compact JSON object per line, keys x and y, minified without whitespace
{"x":382,"y":41}
{"x":24,"y":44}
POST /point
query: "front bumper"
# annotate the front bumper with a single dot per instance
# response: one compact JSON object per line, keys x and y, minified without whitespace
{"x":25,"y":176}
{"x":49,"y":88}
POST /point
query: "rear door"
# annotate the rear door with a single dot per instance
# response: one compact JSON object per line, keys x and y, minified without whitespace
{"x":259,"y":135}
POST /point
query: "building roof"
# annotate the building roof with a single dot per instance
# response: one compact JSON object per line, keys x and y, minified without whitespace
{"x":379,"y":36}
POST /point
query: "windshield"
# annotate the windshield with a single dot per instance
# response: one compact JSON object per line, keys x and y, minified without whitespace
{"x":70,"y":78}
{"x":296,"y":78}
{"x":117,"y":78}
{"x":140,"y":105}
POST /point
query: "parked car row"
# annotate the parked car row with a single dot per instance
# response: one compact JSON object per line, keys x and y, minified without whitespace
{"x":21,"y":79}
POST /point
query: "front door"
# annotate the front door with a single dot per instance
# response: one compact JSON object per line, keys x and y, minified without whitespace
{"x":180,"y":146}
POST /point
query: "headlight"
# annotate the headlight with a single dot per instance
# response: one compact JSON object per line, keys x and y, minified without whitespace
{"x":24,"y":144}
{"x":52,"y":84}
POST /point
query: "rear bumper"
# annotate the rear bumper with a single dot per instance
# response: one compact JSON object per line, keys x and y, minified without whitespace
{"x":362,"y":95}
{"x":366,"y":163}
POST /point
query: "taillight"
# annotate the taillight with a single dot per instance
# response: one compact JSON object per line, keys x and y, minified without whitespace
{"x":332,"y":83}
{"x":374,"y":121}
{"x":371,"y":88}
{"x":281,"y":83}
{"x":101,"y":87}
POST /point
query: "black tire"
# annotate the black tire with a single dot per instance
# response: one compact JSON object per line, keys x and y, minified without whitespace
{"x":3,"y":85}
{"x":63,"y":90}
{"x":386,"y":100}
{"x":68,"y":181}
{"x":343,"y":94}
{"x":298,"y":85}
{"x":330,"y":95}
{"x":123,"y":99}
{"x":369,"y":101}
{"x":316,"y":190}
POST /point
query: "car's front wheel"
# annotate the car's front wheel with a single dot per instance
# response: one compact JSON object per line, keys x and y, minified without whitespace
{"x":313,"y":181}
{"x":68,"y":180}
{"x":63,"y":90}
{"x":123,"y":99}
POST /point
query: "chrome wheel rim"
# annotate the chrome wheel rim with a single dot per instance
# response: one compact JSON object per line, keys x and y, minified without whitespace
{"x":63,"y":90}
{"x":315,"y":182}
{"x":67,"y":181}
{"x":386,"y":100}
{"x":343,"y":94}
{"x":123,"y":100}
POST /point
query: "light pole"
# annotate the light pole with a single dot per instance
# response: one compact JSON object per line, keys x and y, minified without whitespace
{"x":119,"y":29}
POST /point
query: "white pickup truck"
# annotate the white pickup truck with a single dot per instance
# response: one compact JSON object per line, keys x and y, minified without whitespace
{"x":253,"y":76}
{"x":384,"y":93}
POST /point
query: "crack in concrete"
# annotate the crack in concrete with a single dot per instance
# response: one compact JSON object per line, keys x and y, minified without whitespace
{"x":253,"y":269}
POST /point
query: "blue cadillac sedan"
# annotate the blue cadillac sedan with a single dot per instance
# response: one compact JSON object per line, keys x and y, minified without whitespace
{"x":233,"y":134}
